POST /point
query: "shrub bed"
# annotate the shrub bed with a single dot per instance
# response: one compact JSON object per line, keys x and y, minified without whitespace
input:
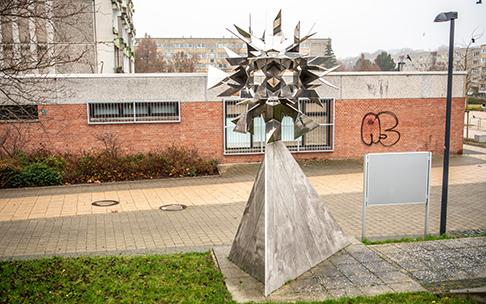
{"x":475,"y":100}
{"x":42,"y":168}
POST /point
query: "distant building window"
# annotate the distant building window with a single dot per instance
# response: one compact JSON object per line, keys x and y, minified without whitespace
{"x":320,"y":139}
{"x":133,"y":112}
{"x":18,"y":112}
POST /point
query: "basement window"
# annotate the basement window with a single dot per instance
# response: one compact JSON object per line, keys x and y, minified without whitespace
{"x":321,"y":139}
{"x":27,"y":112}
{"x":133,"y":112}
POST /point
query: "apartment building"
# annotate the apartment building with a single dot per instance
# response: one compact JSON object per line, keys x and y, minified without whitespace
{"x":482,"y":74}
{"x":472,"y":60}
{"x":82,"y":36}
{"x":210,"y":51}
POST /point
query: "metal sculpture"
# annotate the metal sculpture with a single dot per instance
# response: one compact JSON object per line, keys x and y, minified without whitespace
{"x":271,"y":79}
{"x":285,"y":229}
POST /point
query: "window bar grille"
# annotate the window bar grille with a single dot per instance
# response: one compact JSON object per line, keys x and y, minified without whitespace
{"x":133,"y":112}
{"x":320,"y":139}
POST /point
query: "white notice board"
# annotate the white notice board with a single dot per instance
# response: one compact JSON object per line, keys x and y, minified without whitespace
{"x":396,"y":178}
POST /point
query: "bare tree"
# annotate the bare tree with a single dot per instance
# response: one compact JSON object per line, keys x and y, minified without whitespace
{"x":436,"y":65}
{"x":147,"y":58}
{"x":183,"y":63}
{"x":111,"y":143}
{"x":364,"y":64}
{"x":39,"y":38}
{"x":464,"y":56}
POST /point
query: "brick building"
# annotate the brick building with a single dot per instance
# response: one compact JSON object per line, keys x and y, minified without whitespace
{"x":371,"y":112}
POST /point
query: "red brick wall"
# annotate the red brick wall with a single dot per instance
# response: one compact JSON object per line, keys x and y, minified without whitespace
{"x":64,"y":128}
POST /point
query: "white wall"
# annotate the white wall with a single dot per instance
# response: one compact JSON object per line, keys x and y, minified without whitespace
{"x":81,"y":88}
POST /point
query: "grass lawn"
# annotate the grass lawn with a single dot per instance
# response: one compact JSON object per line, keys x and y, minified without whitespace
{"x":408,"y":239}
{"x":183,"y":278}
{"x":473,"y":107}
{"x":191,"y":278}
{"x":418,"y":239}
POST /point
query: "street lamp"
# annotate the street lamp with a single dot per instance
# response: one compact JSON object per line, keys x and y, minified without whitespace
{"x":443,"y":17}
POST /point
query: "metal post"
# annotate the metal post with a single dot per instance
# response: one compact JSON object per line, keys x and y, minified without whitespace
{"x":365,"y":198}
{"x":447,"y":137}
{"x":427,"y":201}
{"x":467,"y":124}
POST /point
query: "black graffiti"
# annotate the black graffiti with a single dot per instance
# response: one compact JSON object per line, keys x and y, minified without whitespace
{"x":380,"y":128}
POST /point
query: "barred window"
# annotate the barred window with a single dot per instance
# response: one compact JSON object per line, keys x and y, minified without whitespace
{"x":321,"y":139}
{"x":19,"y":112}
{"x":133,"y":112}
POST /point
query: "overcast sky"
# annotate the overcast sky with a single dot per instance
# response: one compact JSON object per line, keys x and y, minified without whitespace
{"x":354,"y":26}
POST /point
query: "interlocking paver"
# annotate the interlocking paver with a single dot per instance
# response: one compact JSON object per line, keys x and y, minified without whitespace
{"x":329,"y":178}
{"x":40,"y":221}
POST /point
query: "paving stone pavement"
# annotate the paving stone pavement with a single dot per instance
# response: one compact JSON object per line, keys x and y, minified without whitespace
{"x":440,"y":265}
{"x":370,"y":270}
{"x":353,"y":271}
{"x":140,"y":231}
{"x":213,"y":225}
{"x":328,"y":177}
{"x":111,"y":230}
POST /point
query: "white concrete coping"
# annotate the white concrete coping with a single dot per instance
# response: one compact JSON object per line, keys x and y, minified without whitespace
{"x":191,"y":87}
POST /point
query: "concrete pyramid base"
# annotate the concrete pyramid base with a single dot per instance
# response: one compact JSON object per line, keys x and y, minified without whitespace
{"x":285,"y":229}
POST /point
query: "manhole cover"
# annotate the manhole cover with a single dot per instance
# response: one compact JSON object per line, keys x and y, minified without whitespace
{"x":105,"y":203}
{"x":173,"y":207}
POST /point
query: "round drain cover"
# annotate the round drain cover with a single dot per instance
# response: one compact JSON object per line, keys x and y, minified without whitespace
{"x":173,"y":207}
{"x":105,"y":203}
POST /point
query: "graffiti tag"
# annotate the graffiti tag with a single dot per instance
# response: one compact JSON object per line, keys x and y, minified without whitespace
{"x":380,"y":128}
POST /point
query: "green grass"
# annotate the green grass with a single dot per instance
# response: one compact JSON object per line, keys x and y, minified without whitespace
{"x":182,"y":278}
{"x":398,"y":298}
{"x":188,"y":278}
{"x":473,"y":107}
{"x":409,"y":239}
{"x":418,"y":239}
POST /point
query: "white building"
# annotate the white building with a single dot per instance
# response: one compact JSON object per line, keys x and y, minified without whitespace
{"x":83,"y":36}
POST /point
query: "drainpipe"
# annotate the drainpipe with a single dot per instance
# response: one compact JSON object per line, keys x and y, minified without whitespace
{"x":95,"y":36}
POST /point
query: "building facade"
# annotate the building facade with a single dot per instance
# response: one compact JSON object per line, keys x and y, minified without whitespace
{"x":369,"y":112}
{"x":482,"y":75}
{"x":82,"y":36}
{"x":472,"y":60}
{"x":210,"y":51}
{"x":115,"y":36}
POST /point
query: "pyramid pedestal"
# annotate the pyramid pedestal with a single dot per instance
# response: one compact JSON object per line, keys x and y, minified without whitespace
{"x":285,"y":229}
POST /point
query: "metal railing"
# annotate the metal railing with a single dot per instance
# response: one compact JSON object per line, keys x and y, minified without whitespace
{"x":320,"y":139}
{"x":475,"y":122}
{"x":133,"y":112}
